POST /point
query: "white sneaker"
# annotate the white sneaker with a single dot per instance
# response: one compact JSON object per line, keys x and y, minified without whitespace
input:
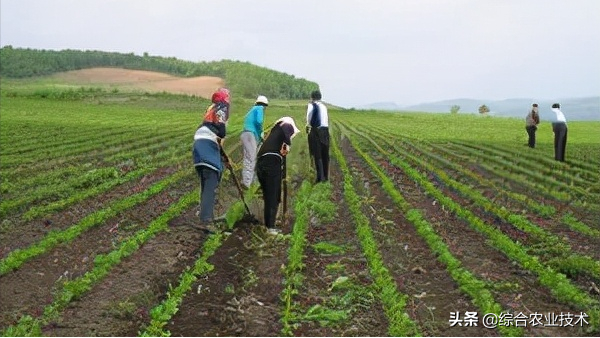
{"x":273,"y":231}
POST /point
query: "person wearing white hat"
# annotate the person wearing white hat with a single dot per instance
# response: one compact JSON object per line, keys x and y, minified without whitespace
{"x":251,"y":136}
{"x":269,"y":163}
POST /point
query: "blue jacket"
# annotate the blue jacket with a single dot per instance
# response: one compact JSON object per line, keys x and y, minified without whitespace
{"x":253,"y":122}
{"x":206,"y":150}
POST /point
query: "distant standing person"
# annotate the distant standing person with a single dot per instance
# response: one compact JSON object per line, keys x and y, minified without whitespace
{"x":531,"y":122}
{"x":251,"y":136}
{"x":559,"y":127}
{"x":206,"y":153}
{"x":269,"y":167}
{"x":317,"y":127}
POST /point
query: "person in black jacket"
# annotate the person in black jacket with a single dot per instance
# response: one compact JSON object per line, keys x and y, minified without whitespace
{"x":269,"y":163}
{"x":531,"y":122}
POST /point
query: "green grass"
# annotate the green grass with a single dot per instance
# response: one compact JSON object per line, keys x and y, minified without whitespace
{"x":42,"y":119}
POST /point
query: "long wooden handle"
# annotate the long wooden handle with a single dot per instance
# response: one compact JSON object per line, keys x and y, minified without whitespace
{"x":284,"y":190}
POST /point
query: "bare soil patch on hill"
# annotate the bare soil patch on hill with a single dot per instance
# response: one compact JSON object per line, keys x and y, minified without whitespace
{"x":202,"y":86}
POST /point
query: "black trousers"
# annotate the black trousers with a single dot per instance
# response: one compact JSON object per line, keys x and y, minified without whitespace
{"x":560,"y":140}
{"x":269,"y":174}
{"x":318,"y":145}
{"x":531,"y":132}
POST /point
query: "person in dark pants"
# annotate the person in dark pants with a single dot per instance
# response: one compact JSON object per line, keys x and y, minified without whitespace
{"x":269,"y":167}
{"x":559,"y":127}
{"x":317,"y":127}
{"x":206,"y":153}
{"x":531,"y":122}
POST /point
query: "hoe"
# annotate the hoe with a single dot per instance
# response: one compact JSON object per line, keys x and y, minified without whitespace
{"x":248,"y":217}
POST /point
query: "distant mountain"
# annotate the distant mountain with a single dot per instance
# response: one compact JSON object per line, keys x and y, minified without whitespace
{"x":381,"y":106}
{"x":575,"y":109}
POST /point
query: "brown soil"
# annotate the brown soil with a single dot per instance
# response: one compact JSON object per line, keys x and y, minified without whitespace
{"x":517,"y":290}
{"x":202,"y":86}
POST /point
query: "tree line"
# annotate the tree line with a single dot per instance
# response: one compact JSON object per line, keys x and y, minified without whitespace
{"x":483,"y":109}
{"x":243,"y":78}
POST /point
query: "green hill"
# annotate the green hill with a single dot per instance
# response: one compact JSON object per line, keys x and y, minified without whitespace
{"x":245,"y":79}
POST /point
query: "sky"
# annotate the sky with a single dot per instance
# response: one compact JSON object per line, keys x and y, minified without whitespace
{"x":359,"y":52}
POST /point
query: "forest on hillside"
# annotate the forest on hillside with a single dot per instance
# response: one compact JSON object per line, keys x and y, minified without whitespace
{"x":243,"y":78}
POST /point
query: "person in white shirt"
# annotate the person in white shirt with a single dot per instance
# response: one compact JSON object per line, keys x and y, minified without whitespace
{"x":317,"y":127}
{"x":559,"y":127}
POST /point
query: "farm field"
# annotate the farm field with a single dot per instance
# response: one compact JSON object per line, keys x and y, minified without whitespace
{"x":430,"y":224}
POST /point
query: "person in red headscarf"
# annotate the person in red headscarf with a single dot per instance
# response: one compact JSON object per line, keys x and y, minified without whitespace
{"x":206,"y":153}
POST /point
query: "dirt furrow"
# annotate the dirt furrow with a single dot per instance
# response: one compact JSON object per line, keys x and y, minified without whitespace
{"x":142,"y":279}
{"x":432,"y":292}
{"x":580,"y":243}
{"x":323,"y":269}
{"x":585,"y":246}
{"x":241,"y":296}
{"x":120,"y":304}
{"x":31,"y":287}
{"x":22,"y":233}
{"x":586,"y":215}
{"x":517,"y":290}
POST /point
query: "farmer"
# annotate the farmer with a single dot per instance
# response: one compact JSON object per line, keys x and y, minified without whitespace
{"x":206,"y":152}
{"x":251,"y":136}
{"x":559,"y":127}
{"x":531,"y":122}
{"x":317,"y":127}
{"x":269,"y":167}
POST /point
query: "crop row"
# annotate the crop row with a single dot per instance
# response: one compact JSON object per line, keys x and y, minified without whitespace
{"x":560,"y":286}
